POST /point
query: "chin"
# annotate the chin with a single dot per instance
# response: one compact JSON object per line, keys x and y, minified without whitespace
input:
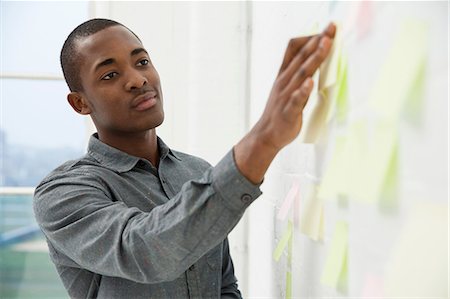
{"x":158,"y":120}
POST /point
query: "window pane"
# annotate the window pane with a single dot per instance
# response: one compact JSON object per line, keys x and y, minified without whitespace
{"x":33,"y":33}
{"x":25,"y":268}
{"x":39,"y":130}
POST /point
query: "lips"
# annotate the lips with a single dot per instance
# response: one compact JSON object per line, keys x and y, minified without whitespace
{"x":145,"y":101}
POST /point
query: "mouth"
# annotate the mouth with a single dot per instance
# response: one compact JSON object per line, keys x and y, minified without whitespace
{"x":145,"y":101}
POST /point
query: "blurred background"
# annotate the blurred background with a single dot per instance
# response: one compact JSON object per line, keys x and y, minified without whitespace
{"x":357,"y":206}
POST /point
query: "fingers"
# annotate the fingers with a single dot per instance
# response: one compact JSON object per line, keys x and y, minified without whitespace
{"x":330,"y":31}
{"x":309,"y":66}
{"x":300,"y":57}
{"x":298,"y":100}
{"x":293,"y":47}
{"x":297,"y":44}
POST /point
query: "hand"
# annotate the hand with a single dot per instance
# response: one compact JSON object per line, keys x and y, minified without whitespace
{"x":281,"y":120}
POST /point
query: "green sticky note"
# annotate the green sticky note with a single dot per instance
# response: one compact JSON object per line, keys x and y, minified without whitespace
{"x":402,"y":66}
{"x":342,"y":91}
{"x":389,"y":191}
{"x":287,"y":235}
{"x":414,"y":99}
{"x":338,"y":92}
{"x":288,"y":285}
{"x":335,"y":271}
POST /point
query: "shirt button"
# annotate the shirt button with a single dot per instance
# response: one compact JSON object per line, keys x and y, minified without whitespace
{"x":246,"y":198}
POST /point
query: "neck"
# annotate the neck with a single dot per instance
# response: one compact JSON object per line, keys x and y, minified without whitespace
{"x":143,"y":145}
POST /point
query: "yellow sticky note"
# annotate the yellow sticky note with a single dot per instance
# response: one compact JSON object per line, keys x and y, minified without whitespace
{"x":311,"y":222}
{"x":419,"y":260}
{"x":335,"y":271}
{"x":329,"y":68}
{"x":315,"y":120}
{"x":379,"y":164}
{"x":287,"y":235}
{"x":400,"y":69}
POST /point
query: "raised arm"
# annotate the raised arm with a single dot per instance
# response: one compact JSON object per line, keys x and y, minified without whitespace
{"x":281,"y":120}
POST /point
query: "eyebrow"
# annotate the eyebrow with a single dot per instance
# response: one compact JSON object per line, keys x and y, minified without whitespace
{"x":112,"y":60}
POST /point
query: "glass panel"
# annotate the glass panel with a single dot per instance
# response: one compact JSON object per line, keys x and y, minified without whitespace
{"x":33,"y":33}
{"x":39,"y":130}
{"x":25,"y":268}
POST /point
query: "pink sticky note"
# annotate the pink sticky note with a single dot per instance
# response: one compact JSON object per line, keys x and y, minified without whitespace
{"x":373,"y":287}
{"x":364,"y":18}
{"x":287,"y":203}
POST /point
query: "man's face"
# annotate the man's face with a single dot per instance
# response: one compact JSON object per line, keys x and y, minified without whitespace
{"x":121,"y":88}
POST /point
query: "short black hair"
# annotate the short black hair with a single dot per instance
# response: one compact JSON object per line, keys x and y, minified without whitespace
{"x":70,"y":58}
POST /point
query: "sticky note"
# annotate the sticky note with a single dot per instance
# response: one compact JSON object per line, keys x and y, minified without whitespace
{"x":329,"y":68}
{"x":311,"y":222}
{"x":287,"y":235}
{"x":338,"y":92}
{"x":314,"y":125}
{"x":417,"y":265}
{"x":334,"y":177}
{"x":289,"y":200}
{"x":400,"y":69}
{"x":335,"y":271}
{"x":288,"y":285}
{"x":379,"y":163}
{"x":372,"y":287}
{"x":341,"y":91}
{"x":315,"y":114}
{"x":331,"y":95}
{"x":414,"y":108}
{"x":364,"y":18}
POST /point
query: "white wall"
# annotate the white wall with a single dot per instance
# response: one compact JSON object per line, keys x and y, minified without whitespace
{"x":375,"y":235}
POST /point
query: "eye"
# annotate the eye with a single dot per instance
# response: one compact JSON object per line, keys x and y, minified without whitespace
{"x":109,"y":76}
{"x":143,"y":62}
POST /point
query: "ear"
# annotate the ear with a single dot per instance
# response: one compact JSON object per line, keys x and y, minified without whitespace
{"x":78,"y":103}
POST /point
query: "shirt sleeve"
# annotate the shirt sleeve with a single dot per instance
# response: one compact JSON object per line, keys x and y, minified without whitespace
{"x":89,"y":230}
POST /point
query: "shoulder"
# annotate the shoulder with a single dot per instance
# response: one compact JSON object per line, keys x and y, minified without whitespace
{"x":192,"y":161}
{"x":72,"y":170}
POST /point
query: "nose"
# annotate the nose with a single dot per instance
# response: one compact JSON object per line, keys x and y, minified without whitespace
{"x":135,"y":80}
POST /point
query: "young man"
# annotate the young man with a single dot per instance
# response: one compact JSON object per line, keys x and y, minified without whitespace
{"x":134,"y":218}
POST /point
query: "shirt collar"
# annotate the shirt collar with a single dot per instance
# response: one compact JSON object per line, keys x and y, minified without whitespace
{"x":118,"y":160}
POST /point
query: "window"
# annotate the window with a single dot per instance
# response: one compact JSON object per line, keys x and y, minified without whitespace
{"x":38,"y":132}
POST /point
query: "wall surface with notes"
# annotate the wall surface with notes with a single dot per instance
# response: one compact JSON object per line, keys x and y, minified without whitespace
{"x":357,"y":206}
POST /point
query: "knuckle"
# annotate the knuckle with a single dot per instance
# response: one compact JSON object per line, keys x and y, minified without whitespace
{"x":291,"y":43}
{"x":301,"y":72}
{"x":302,"y":54}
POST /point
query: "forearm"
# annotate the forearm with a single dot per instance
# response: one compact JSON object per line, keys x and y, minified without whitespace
{"x":253,"y":156}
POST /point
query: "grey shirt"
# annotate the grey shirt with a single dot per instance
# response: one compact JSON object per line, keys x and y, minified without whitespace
{"x":117,"y":227}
